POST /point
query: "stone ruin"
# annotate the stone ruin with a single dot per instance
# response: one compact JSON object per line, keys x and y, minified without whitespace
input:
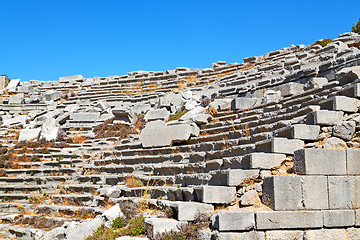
{"x":265,"y":149}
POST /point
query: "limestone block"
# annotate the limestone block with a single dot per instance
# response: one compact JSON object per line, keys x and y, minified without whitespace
{"x":315,"y":193}
{"x":325,"y":234}
{"x":239,"y":104}
{"x":85,"y":116}
{"x":354,"y":182}
{"x":357,"y":217}
{"x":158,"y":134}
{"x":231,"y":220}
{"x":16,"y":120}
{"x":216,"y":194}
{"x":52,"y":95}
{"x":4,"y":81}
{"x":141,"y":108}
{"x":317,"y":82}
{"x":347,"y":75}
{"x":251,"y":235}
{"x":353,"y":161}
{"x":250,"y":198}
{"x":339,"y":218}
{"x":271,"y":96}
{"x":288,"y":219}
{"x":265,"y":160}
{"x":282,"y":192}
{"x":49,"y":130}
{"x":190,"y":211}
{"x":29,"y":134}
{"x":237,"y":176}
{"x":172,"y":99}
{"x":124,"y":115}
{"x":357,"y":90}
{"x":345,"y":130}
{"x":340,"y":103}
{"x":83,"y":229}
{"x":320,"y":161}
{"x":16,"y":99}
{"x":305,"y":132}
{"x":157,"y":114}
{"x":13,"y":85}
{"x":286,"y":146}
{"x":161,"y":225}
{"x":326,"y":117}
{"x":339,"y":192}
{"x":221,"y":104}
{"x":76,"y":78}
{"x":201,"y":118}
{"x":353,"y":233}
{"x":56,"y":233}
{"x":291,"y":88}
{"x":284,"y":235}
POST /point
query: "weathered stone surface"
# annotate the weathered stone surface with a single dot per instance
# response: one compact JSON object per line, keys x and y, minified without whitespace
{"x":325,"y":234}
{"x":76,"y":78}
{"x":161,"y":225}
{"x":216,"y":194}
{"x":326,"y":117}
{"x":13,"y":85}
{"x":353,"y":161}
{"x":342,"y":103}
{"x":55,"y":234}
{"x":158,"y":134}
{"x":345,"y":130}
{"x":49,"y":130}
{"x":284,"y":235}
{"x":250,"y":198}
{"x":317,"y":82}
{"x":4,"y":81}
{"x":16,"y":120}
{"x":52,"y":95}
{"x":339,"y":192}
{"x":353,"y":233}
{"x":237,"y":176}
{"x":305,"y":132}
{"x":239,"y":104}
{"x":265,"y":160}
{"x":339,"y":218}
{"x":333,"y":143}
{"x":157,"y":114}
{"x":124,"y":115}
{"x":252,"y":235}
{"x":29,"y":134}
{"x":190,"y":211}
{"x":201,"y":118}
{"x":289,"y":89}
{"x":315,"y":192}
{"x":320,"y":161}
{"x":227,"y":220}
{"x":282,"y":192}
{"x":84,"y":116}
{"x":288,"y":219}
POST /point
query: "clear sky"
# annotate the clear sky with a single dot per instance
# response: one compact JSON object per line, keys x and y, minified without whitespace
{"x":45,"y":40}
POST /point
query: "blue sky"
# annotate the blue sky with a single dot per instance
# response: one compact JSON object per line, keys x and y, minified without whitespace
{"x":45,"y":40}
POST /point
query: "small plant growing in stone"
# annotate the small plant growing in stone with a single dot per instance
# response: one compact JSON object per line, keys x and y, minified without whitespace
{"x":356,"y":27}
{"x":37,"y":197}
{"x":324,"y":42}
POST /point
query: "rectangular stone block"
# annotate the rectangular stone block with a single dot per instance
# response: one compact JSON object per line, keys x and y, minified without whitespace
{"x":339,"y":192}
{"x":85,"y":116}
{"x":357,"y":217}
{"x":237,"y":176}
{"x":315,"y":192}
{"x":227,"y":220}
{"x":343,"y":103}
{"x":284,"y":234}
{"x":286,"y":146}
{"x":305,"y":132}
{"x":325,"y":234}
{"x":326,"y":117}
{"x":265,"y":160}
{"x":216,"y":194}
{"x":288,"y":219}
{"x":354,"y":191}
{"x":238,"y":104}
{"x":252,"y":235}
{"x":29,"y":134}
{"x":357,"y":90}
{"x":320,"y":161}
{"x":353,"y":161}
{"x":339,"y":218}
{"x":190,"y":211}
{"x":282,"y":192}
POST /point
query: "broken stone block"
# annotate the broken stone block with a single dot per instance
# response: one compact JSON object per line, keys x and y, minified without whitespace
{"x":75,"y":78}
{"x":239,"y":104}
{"x":159,"y":134}
{"x":250,"y":198}
{"x":29,"y":134}
{"x":13,"y":121}
{"x":4,"y":81}
{"x":124,"y":115}
{"x":172,"y":99}
{"x":345,"y":130}
{"x":85,"y":116}
{"x":157,"y":114}
{"x":141,"y":108}
{"x":161,"y":225}
{"x":317,"y":82}
{"x":201,"y":118}
{"x":227,"y":220}
{"x":340,"y":103}
{"x":291,"y":88}
{"x":49,"y":130}
{"x":16,"y":99}
{"x":348,"y":75}
{"x":333,"y":143}
{"x":13,"y":85}
{"x":52,"y":95}
{"x":282,"y":192}
{"x":271,"y":96}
